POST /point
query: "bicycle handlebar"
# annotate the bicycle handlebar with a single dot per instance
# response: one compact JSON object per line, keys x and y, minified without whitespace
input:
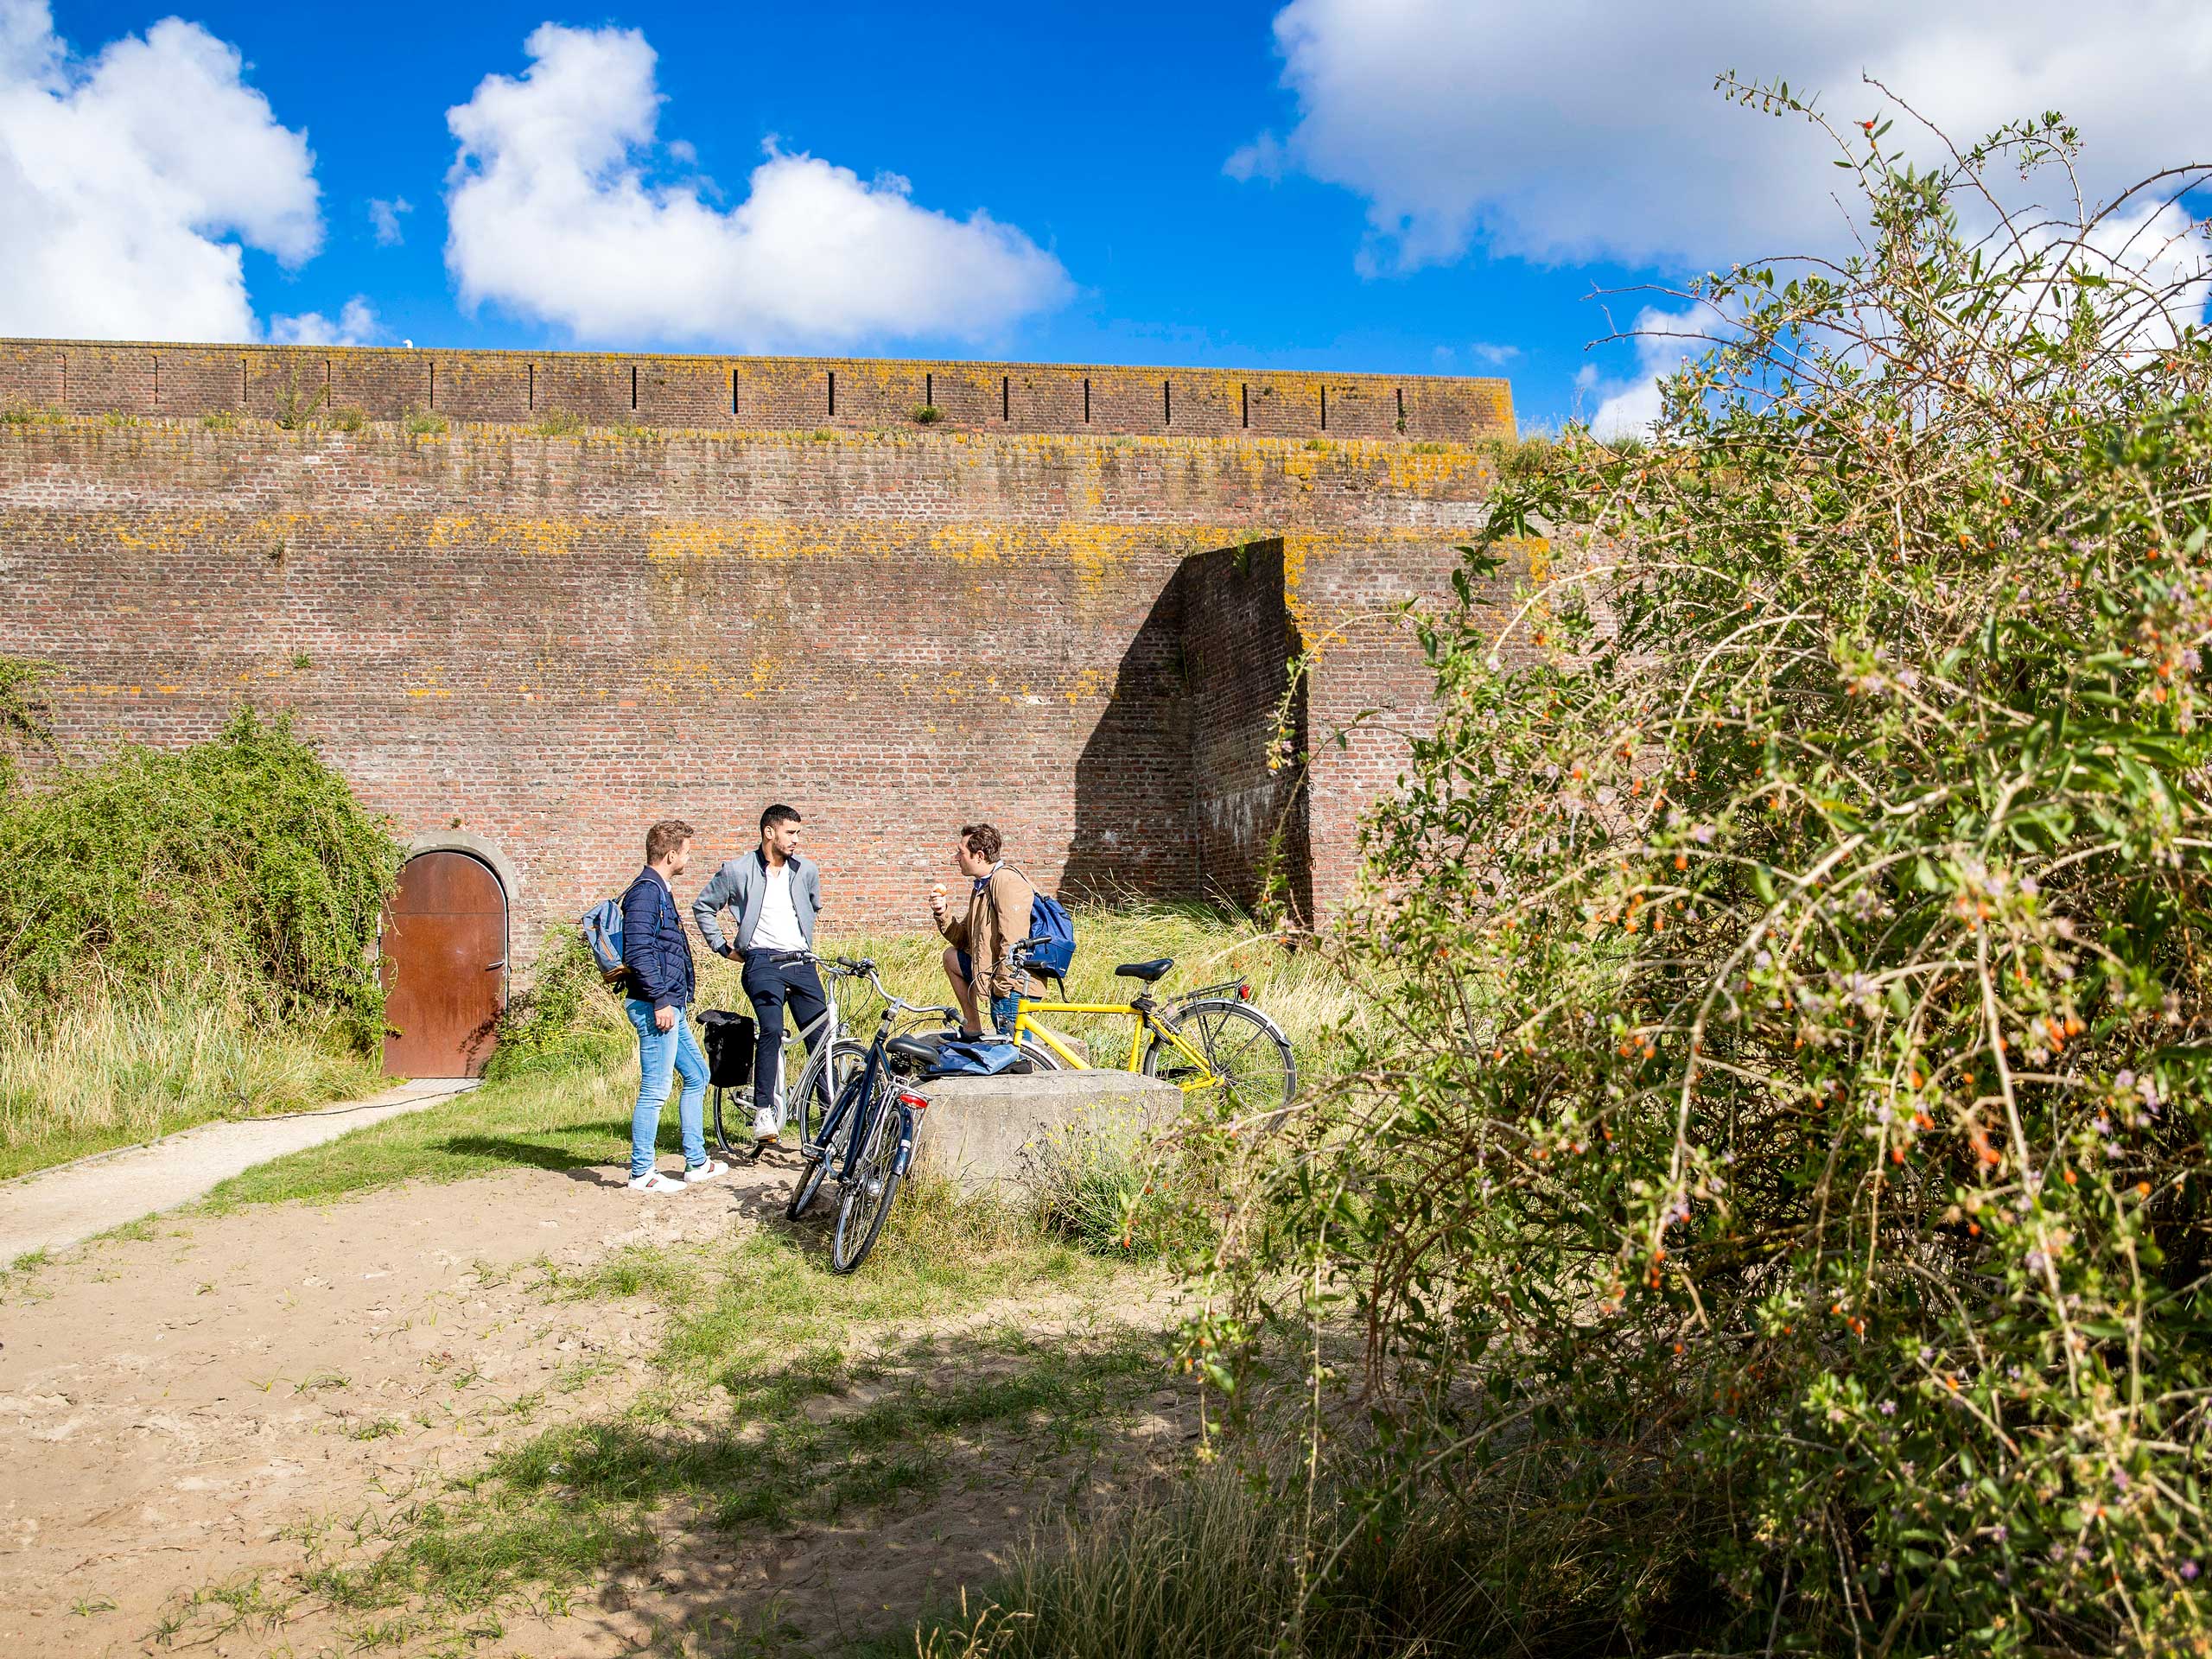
{"x":864,"y":966}
{"x":849,"y":965}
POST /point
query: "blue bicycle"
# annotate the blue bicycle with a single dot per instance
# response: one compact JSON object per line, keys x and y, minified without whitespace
{"x":877,"y":1115}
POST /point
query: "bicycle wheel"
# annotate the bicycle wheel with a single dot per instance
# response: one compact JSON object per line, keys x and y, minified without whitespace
{"x":810,"y":1174}
{"x":824,"y":1078}
{"x":1040,"y":1057}
{"x":721,"y":1134}
{"x":1250,"y":1059}
{"x":870,"y":1189}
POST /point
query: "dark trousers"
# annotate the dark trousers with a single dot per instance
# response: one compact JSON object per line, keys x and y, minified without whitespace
{"x":771,"y":985}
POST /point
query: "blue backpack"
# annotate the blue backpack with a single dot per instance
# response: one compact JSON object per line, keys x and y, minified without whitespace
{"x":1049,"y":921}
{"x":602,"y":931}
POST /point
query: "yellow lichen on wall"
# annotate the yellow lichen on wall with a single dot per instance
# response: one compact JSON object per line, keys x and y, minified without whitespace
{"x":542,"y":537}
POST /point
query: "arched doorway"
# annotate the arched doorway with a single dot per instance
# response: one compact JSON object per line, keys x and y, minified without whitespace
{"x":444,"y":966}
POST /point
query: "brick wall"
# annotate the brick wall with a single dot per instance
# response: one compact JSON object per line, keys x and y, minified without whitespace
{"x":549,"y":641}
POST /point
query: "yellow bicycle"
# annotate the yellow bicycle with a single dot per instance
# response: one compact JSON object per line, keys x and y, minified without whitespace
{"x":1212,"y":1040}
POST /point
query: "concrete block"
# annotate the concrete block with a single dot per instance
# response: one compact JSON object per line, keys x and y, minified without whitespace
{"x":981,"y":1131}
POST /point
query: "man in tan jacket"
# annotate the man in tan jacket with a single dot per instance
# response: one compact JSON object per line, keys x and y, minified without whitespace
{"x":980,"y":941}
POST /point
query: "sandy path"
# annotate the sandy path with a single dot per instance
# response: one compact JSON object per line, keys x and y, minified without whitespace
{"x":56,"y":1208}
{"x":167,"y":1405}
{"x":171,"y":1408}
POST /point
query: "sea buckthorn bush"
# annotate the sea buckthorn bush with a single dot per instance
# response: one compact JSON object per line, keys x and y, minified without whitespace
{"x":1773,"y":1215}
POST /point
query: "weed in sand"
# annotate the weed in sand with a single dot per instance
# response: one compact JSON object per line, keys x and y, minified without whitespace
{"x":378,"y":1429}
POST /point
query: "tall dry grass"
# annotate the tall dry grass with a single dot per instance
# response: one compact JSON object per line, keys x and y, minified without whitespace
{"x":1216,"y":1565}
{"x":110,"y":1069}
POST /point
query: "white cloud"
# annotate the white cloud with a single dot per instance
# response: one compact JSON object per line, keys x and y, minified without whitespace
{"x":554,"y":214}
{"x":123,"y":179}
{"x":1496,"y":356}
{"x":1664,"y":341}
{"x":384,"y":217}
{"x":357,"y":325}
{"x":1576,"y":130}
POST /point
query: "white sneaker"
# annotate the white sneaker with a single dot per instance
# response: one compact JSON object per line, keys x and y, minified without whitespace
{"x":764,"y":1126}
{"x":711,"y":1170}
{"x":653,"y":1181}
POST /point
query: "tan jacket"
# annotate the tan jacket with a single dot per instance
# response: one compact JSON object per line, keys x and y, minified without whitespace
{"x":997,"y":920}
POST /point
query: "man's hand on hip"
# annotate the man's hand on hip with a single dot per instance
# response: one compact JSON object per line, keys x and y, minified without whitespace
{"x":664,"y":1019}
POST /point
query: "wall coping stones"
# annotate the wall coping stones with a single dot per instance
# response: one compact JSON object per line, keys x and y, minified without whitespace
{"x":664,"y":391}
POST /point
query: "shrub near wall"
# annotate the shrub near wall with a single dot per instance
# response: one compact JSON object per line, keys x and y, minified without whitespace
{"x":185,"y":934}
{"x":245,"y":857}
{"x":1779,"y":1222}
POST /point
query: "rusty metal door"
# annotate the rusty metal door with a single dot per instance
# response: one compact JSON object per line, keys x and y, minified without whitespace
{"x":445,"y":966}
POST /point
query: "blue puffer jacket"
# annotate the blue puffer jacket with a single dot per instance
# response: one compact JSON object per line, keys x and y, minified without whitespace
{"x":653,"y":948}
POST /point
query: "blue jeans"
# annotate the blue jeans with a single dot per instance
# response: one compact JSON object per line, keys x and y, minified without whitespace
{"x":661,"y":1053}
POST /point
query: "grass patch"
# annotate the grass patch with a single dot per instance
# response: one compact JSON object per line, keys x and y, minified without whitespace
{"x":1219,"y":1565}
{"x":542,"y":1120}
{"x":577,"y":1503}
{"x":114,"y":1071}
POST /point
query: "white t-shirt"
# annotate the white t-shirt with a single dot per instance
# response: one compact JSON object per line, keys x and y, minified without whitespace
{"x":778,"y":928}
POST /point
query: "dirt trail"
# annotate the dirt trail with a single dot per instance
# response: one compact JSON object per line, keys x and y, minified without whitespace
{"x":56,"y":1208}
{"x":173,"y":1407}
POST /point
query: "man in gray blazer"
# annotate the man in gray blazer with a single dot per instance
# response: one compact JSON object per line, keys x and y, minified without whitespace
{"x":775,"y":895}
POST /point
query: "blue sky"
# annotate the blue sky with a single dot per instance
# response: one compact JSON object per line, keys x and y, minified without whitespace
{"x":1398,"y":186}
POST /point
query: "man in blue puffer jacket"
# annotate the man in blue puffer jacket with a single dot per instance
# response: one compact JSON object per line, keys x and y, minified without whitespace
{"x":657,"y":962}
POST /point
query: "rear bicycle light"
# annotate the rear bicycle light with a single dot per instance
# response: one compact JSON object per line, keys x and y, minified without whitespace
{"x":1244,"y":992}
{"x":913,"y":1102}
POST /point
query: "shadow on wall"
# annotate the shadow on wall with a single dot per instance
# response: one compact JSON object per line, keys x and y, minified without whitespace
{"x":1132,"y":831}
{"x":1174,"y":795}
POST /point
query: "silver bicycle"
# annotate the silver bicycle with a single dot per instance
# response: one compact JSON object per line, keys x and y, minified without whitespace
{"x":833,"y":1059}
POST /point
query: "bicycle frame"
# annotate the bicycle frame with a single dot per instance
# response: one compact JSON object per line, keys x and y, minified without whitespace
{"x":830,"y":1028}
{"x":1146,"y":1025}
{"x":895,"y":1008}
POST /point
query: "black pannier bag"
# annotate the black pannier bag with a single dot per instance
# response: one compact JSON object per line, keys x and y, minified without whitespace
{"x":729,"y":1041}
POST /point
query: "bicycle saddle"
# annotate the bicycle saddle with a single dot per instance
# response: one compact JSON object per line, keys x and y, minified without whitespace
{"x":917,"y":1052}
{"x":1146,"y":971}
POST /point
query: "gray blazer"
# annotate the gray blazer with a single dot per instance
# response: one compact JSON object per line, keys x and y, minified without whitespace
{"x":742,"y":885}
